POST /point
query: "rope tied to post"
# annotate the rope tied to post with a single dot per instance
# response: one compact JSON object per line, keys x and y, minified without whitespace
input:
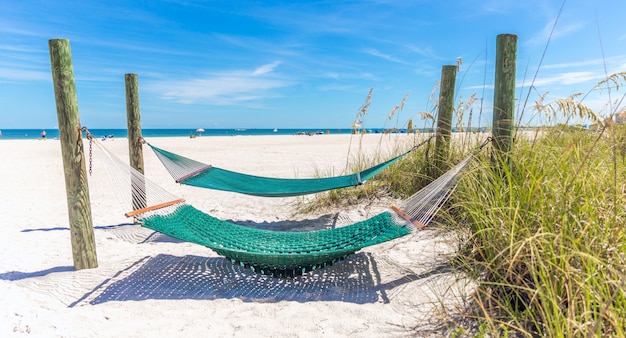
{"x":487,"y":140}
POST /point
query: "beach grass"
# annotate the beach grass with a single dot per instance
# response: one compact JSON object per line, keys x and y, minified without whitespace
{"x":544,"y":237}
{"x":542,"y":231}
{"x":400,"y":180}
{"x":547,"y":239}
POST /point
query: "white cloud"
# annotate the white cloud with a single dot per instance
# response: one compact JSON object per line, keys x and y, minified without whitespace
{"x":612,"y":62}
{"x":375,"y":52}
{"x":561,"y":30}
{"x":223,"y":88}
{"x":347,"y":76}
{"x":427,"y":51}
{"x":486,"y":86}
{"x":333,"y":75}
{"x":268,"y":68}
{"x":337,"y":88}
{"x":569,"y":65}
{"x":12,"y":74}
{"x":20,"y":49}
{"x":567,"y":78}
{"x":15,"y":29}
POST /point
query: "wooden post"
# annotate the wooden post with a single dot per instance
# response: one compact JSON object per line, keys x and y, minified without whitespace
{"x":504,"y":95}
{"x":135,"y":149}
{"x":444,"y":116}
{"x":77,"y":190}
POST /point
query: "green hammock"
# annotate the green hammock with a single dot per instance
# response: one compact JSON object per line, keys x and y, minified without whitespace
{"x":291,"y":253}
{"x":190,"y":172}
{"x":278,"y":253}
{"x":283,"y":253}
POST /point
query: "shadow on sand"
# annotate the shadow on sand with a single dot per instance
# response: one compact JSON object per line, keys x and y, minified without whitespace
{"x":99,"y":227}
{"x":354,"y":280}
{"x":18,"y":275}
{"x":322,"y":222}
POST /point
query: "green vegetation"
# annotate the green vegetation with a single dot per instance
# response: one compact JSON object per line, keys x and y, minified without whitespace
{"x":544,"y":236}
{"x":546,"y":239}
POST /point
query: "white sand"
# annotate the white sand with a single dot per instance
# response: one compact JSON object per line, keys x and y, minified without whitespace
{"x":151,"y":285}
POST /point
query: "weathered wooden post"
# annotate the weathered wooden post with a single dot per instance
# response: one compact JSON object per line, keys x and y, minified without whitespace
{"x":504,"y":96}
{"x":444,"y":116}
{"x":76,"y":187}
{"x":135,"y":149}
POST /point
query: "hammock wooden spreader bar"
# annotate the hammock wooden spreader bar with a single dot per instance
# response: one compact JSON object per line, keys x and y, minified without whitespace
{"x":153,"y":207}
{"x":407,"y":217}
{"x":194,"y":173}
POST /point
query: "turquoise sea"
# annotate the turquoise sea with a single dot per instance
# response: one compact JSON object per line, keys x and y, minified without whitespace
{"x":24,"y":134}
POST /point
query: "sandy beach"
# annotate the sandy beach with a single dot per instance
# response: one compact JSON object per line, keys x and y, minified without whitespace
{"x":148,"y":284}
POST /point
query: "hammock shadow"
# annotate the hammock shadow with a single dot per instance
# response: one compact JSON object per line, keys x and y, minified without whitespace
{"x":322,"y":222}
{"x":97,"y":227}
{"x":19,"y":275}
{"x":354,"y":280}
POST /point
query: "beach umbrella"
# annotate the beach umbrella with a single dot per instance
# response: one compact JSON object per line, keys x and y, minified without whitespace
{"x":199,"y":130}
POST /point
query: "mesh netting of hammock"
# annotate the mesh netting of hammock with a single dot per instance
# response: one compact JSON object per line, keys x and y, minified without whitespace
{"x":278,"y":253}
{"x":194,"y":173}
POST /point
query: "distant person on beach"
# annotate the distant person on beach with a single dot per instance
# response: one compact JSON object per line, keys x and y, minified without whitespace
{"x":43,"y":134}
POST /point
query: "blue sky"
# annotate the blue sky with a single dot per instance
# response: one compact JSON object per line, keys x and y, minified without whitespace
{"x":296,"y":64}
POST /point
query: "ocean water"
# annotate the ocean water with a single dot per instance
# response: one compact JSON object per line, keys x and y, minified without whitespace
{"x":25,"y":134}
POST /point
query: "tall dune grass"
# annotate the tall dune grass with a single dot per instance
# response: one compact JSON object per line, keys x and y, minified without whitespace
{"x":546,"y":238}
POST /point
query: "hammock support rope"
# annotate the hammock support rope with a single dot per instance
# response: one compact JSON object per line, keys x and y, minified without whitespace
{"x":284,"y":253}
